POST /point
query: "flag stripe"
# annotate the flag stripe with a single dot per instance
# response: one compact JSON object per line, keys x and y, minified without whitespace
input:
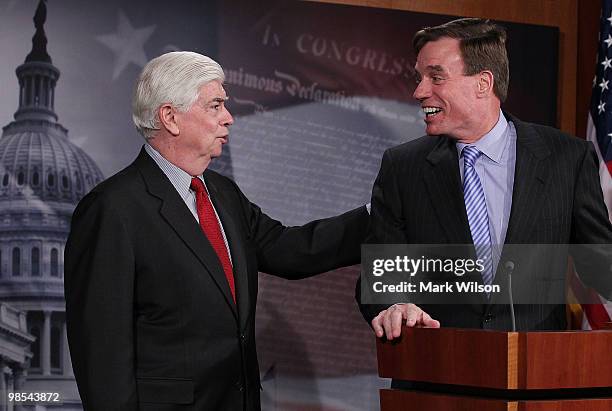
{"x":599,"y":131}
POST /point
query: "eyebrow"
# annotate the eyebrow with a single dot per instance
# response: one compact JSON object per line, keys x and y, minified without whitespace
{"x":437,"y":68}
{"x":219,"y":100}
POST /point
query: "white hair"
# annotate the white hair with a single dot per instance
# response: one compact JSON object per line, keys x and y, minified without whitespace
{"x":173,"y":78}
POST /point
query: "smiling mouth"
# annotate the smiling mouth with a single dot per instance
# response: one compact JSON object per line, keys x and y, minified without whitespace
{"x":431,"y":111}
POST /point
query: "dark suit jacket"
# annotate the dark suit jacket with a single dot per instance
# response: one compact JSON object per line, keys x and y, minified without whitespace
{"x":418,"y":199}
{"x":151,"y":321}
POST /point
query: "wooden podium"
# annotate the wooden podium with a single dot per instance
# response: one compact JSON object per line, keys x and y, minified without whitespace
{"x":462,"y":369}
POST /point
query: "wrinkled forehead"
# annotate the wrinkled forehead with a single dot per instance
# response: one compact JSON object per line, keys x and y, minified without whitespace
{"x":212,"y":90}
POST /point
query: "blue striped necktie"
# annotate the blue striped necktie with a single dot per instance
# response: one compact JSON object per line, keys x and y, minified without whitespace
{"x":476,"y":208}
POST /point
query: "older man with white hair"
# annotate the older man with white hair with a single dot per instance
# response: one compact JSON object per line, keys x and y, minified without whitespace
{"x":162,"y":260}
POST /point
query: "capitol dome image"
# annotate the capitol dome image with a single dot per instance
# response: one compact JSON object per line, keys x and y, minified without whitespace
{"x":42,"y":177}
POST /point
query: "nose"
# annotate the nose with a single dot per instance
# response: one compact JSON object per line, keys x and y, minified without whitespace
{"x":422,"y":90}
{"x":227,"y":119}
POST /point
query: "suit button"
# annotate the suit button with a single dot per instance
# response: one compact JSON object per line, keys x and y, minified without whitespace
{"x":239,"y":386}
{"x":488,"y":318}
{"x":243,"y":338}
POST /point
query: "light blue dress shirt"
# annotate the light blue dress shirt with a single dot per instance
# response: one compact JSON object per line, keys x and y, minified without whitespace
{"x":181,"y":182}
{"x":495,"y":168}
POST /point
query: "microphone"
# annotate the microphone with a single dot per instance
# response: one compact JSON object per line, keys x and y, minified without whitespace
{"x":509,"y":267}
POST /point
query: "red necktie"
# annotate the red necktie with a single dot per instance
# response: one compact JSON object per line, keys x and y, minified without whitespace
{"x":212,"y":229}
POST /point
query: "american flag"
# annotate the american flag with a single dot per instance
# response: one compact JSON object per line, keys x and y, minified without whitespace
{"x":599,"y":131}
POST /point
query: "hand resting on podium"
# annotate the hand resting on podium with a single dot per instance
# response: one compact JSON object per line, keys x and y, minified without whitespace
{"x":389,"y":322}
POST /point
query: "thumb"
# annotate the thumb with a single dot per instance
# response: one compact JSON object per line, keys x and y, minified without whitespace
{"x":427,"y":321}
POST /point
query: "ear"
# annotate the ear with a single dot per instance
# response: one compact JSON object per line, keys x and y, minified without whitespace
{"x":168,"y":119}
{"x":485,"y":83}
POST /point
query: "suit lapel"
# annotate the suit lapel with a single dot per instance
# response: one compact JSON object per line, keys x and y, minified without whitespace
{"x":234,"y":239}
{"x":443,"y":184}
{"x":531,"y":172}
{"x":530,"y":177}
{"x":176,"y":213}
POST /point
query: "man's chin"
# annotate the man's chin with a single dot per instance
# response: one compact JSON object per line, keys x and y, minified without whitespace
{"x":432,"y":130}
{"x":216,"y":153}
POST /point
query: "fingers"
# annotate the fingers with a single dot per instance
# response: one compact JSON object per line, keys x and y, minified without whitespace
{"x":387,"y":319}
{"x":419,"y":318}
{"x":413,"y":316}
{"x":397,"y":319}
{"x":377,"y":324}
{"x":429,"y":322}
{"x":389,"y":322}
{"x":383,"y":323}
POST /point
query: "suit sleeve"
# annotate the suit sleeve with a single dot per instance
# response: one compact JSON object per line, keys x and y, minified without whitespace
{"x":386,"y":224}
{"x":302,"y":251}
{"x":591,"y":228}
{"x":99,"y":288}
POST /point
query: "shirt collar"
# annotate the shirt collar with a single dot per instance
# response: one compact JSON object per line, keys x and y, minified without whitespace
{"x":493,"y":143}
{"x":180,"y":179}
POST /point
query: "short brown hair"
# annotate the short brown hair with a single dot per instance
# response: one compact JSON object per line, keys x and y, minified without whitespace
{"x":482,"y":44}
